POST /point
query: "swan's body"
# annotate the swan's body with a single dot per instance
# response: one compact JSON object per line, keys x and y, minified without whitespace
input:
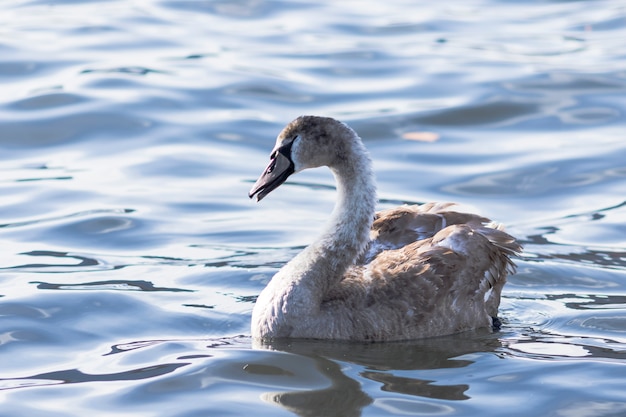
{"x":403,"y":273}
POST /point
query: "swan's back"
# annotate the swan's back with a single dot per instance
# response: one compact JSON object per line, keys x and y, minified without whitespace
{"x":428,"y":271}
{"x":400,"y":226}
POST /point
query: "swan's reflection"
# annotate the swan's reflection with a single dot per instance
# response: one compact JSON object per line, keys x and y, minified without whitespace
{"x":352,"y":366}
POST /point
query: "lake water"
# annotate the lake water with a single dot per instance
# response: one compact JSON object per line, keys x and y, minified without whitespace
{"x":131,"y":131}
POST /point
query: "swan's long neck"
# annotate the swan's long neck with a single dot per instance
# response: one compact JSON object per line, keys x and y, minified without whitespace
{"x":324,"y":262}
{"x":348,"y":229}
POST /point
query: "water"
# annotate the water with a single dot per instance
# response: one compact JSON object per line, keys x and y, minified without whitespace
{"x":130,"y":133}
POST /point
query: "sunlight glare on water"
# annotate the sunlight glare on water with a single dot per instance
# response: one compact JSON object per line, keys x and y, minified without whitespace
{"x":131,"y":132}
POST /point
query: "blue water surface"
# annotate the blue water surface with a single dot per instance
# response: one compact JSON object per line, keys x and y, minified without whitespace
{"x":131,"y":131}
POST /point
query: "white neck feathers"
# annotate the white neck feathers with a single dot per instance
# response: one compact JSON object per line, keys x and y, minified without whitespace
{"x":324,"y":262}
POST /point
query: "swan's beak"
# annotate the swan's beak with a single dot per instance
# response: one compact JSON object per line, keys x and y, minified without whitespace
{"x":277,"y":172}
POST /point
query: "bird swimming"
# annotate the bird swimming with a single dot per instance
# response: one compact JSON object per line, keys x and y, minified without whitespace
{"x":403,"y":273}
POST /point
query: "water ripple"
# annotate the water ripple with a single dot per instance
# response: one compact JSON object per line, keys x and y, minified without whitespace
{"x":130,"y":134}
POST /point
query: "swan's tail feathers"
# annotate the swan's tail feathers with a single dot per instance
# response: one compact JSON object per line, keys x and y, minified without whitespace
{"x":505,"y":247}
{"x":508,"y":246}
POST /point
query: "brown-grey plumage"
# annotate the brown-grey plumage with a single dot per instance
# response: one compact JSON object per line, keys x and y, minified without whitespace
{"x":403,"y":273}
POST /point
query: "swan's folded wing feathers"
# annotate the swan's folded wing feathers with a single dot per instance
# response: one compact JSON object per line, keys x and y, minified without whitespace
{"x":400,"y":226}
{"x":432,"y":286}
{"x":457,"y":258}
{"x":410,"y":291}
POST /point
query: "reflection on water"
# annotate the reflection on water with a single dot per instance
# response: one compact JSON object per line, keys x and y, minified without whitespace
{"x":131,"y":256}
{"x":343,"y":396}
{"x":384,"y":364}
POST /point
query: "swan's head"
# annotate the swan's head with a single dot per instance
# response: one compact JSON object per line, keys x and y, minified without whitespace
{"x":306,"y":142}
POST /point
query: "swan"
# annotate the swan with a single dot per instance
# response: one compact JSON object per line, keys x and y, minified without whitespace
{"x":409,"y":272}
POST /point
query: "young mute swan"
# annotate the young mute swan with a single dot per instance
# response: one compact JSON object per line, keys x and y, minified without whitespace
{"x":403,"y":273}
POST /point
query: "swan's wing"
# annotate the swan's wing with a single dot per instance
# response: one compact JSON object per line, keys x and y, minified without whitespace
{"x":447,"y":283}
{"x":400,"y":226}
{"x":462,"y":263}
